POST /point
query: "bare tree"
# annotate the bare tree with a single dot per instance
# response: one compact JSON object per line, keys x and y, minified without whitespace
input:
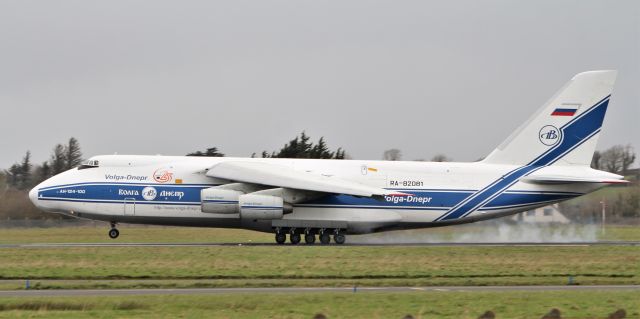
{"x":628,"y":157}
{"x":617,"y":159}
{"x":596,"y":160}
{"x":393,"y":154}
{"x":440,"y":158}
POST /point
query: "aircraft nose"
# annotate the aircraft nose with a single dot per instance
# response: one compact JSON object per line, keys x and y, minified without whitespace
{"x":33,"y":195}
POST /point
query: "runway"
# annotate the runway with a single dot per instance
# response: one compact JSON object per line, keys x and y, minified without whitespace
{"x":204,"y":291}
{"x":118,"y":244}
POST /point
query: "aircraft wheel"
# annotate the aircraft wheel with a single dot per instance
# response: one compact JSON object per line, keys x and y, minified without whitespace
{"x":325,"y":239}
{"x":114,"y":233}
{"x":281,"y":238}
{"x":294,"y":238}
{"x":310,"y":238}
{"x":339,"y":238}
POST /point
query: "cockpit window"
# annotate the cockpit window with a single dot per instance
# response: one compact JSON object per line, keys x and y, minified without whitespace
{"x":89,"y":164}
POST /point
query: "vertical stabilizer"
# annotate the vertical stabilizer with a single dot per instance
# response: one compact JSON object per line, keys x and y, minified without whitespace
{"x":566,"y":129}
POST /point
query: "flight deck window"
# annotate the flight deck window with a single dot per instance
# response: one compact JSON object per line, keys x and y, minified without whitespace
{"x":89,"y":164}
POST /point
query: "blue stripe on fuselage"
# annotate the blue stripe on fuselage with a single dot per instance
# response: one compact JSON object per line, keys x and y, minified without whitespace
{"x":429,"y":199}
{"x":115,"y":192}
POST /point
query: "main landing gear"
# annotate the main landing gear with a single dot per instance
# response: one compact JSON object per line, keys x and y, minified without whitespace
{"x":113,"y":232}
{"x":280,"y":238}
{"x":324,"y":235}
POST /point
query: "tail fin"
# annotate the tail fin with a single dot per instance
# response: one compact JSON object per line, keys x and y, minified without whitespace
{"x":566,"y":129}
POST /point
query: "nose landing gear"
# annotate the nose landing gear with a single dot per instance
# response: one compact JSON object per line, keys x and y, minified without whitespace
{"x":113,"y":232}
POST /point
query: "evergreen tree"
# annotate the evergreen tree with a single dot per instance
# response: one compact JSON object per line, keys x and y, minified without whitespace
{"x":25,"y":171}
{"x":320,"y":150}
{"x":73,"y":155}
{"x":58,"y":160}
{"x":210,"y":152}
{"x":13,"y":175}
{"x":301,"y":147}
{"x":340,"y":154}
{"x":42,"y":172}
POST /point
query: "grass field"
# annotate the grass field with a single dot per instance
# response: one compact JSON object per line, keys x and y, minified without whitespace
{"x":241,"y":266}
{"x":583,"y":304}
{"x":267,"y":266}
{"x":346,"y":266}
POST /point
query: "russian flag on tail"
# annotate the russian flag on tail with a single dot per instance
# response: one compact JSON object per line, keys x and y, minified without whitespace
{"x":564,"y":112}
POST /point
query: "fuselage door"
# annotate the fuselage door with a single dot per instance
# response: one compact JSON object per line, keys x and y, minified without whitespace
{"x":129,"y":206}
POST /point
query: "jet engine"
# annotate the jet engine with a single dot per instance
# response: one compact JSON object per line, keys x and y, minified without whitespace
{"x":220,"y":201}
{"x":253,"y":206}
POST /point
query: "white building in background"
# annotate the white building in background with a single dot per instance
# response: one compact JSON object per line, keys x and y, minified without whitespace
{"x":546,"y":214}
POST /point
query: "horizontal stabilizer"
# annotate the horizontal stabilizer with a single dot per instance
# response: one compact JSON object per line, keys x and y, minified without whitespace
{"x":560,"y":179}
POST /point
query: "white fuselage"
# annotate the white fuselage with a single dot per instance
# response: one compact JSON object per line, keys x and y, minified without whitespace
{"x":546,"y":160}
{"x":166,"y":190}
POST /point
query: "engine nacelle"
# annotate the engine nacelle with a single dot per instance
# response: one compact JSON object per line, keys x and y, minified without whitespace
{"x":254,"y":206}
{"x":219,"y":201}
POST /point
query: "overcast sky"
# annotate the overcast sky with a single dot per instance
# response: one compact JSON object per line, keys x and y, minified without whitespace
{"x":427,"y":77}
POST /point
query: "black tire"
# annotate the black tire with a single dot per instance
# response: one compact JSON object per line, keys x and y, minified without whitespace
{"x":294,"y":238}
{"x":339,"y":238}
{"x":310,"y":238}
{"x":325,"y":239}
{"x":281,"y":238}
{"x":114,"y":233}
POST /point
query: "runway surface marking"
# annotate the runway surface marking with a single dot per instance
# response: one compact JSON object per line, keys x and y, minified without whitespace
{"x":200,"y":291}
{"x":65,"y":245}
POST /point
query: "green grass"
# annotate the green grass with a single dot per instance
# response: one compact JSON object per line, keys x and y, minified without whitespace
{"x":621,"y":233}
{"x":574,"y":304}
{"x":268,"y":266}
{"x":330,"y":266}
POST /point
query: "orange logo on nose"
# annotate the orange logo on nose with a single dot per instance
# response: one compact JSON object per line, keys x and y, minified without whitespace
{"x":162,"y":175}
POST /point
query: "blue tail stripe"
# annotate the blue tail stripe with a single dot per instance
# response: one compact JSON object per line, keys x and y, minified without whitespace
{"x":574,"y":134}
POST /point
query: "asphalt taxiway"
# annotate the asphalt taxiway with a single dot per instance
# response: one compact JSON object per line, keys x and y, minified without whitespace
{"x":121,"y":244}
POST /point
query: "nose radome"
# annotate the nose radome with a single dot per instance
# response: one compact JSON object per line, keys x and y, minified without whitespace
{"x":33,"y":195}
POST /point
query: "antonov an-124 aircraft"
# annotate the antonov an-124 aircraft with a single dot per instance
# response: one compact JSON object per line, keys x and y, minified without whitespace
{"x":546,"y":160}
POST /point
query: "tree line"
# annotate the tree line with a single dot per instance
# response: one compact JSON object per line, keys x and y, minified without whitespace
{"x":395,"y":154}
{"x":24,"y":175}
{"x":299,"y":147}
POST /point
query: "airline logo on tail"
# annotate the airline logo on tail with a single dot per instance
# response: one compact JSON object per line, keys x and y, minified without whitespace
{"x":549,"y":135}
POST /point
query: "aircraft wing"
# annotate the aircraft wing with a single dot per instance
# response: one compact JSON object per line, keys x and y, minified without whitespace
{"x":286,"y":177}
